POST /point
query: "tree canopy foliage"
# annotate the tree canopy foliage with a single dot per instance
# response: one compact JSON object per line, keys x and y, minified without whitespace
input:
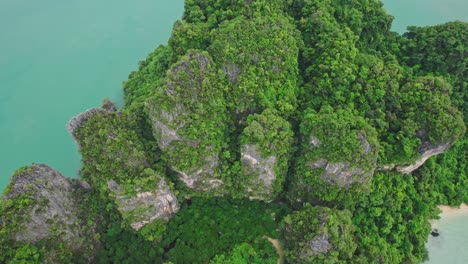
{"x":309,"y":105}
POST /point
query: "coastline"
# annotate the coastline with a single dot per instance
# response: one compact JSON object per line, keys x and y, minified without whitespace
{"x":452,"y":238}
{"x":449,"y":211}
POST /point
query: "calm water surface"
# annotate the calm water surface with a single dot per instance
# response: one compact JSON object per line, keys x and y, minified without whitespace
{"x":59,"y":58}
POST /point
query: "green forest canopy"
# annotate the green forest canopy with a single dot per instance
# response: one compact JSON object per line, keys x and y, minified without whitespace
{"x":313,"y":85}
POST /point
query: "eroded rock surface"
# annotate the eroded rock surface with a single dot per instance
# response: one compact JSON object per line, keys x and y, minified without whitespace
{"x":427,"y":151}
{"x":183,"y":103}
{"x":79,"y":120}
{"x":54,"y":212}
{"x":343,"y":174}
{"x":262,"y":171}
{"x":142,"y":208}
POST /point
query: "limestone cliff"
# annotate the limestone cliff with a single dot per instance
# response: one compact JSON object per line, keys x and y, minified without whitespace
{"x":426,"y":151}
{"x":188,"y":120}
{"x":143,"y":207}
{"x":338,"y":158}
{"x":79,"y":120}
{"x":265,"y":150}
{"x":43,"y":207}
{"x":315,"y":234}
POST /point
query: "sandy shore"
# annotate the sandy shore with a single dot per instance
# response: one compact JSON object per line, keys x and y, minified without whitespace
{"x":448,"y":211}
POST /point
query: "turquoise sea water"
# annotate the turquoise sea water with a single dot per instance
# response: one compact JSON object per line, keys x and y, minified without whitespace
{"x":425,"y":12}
{"x":59,"y":58}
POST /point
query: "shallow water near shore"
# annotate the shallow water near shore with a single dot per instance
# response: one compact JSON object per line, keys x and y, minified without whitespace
{"x":452,"y":243}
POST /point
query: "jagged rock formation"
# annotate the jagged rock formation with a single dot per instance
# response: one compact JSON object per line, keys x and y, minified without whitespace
{"x":261,"y":186}
{"x":265,"y":149}
{"x":339,"y":157}
{"x":426,"y":152}
{"x":46,"y":209}
{"x":78,"y":121}
{"x":142,"y":208}
{"x":55,"y":206}
{"x":188,"y":118}
{"x":343,"y":174}
{"x":317,"y":233}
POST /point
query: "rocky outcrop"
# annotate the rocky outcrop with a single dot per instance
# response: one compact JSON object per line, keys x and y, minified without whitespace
{"x":318,"y":235}
{"x":262,"y":171}
{"x":201,"y":178}
{"x":54,"y":210}
{"x":343,"y":174}
{"x":79,"y":120}
{"x":426,"y":152}
{"x":188,"y":121}
{"x":141,"y":208}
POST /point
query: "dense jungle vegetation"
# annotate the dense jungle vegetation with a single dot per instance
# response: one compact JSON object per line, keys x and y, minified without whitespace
{"x":307,"y":85}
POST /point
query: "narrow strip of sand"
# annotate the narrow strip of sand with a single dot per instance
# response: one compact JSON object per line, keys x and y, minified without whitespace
{"x":448,"y":211}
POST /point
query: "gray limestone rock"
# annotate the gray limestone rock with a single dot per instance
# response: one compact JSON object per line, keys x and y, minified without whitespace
{"x":427,"y":150}
{"x":78,"y":121}
{"x":54,"y":212}
{"x":262,"y":171}
{"x":141,"y":208}
{"x":343,"y":174}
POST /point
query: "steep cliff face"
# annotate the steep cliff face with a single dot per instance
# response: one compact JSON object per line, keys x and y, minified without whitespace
{"x":78,"y":121}
{"x":40,"y":205}
{"x":265,"y":151}
{"x":426,"y":151}
{"x":143,"y":207}
{"x":338,"y":158}
{"x":188,"y":119}
{"x":262,"y":170}
{"x":343,"y":174}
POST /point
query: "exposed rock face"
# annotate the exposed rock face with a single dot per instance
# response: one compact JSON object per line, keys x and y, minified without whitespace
{"x":54,"y":211}
{"x":318,"y":235}
{"x":202,"y":178}
{"x":185,"y":102}
{"x":342,"y":174}
{"x":427,"y":151}
{"x":262,"y":169}
{"x":316,"y":246}
{"x":78,"y":121}
{"x":145,"y":207}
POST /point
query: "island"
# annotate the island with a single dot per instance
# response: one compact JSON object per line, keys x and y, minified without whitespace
{"x":298,"y":131}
